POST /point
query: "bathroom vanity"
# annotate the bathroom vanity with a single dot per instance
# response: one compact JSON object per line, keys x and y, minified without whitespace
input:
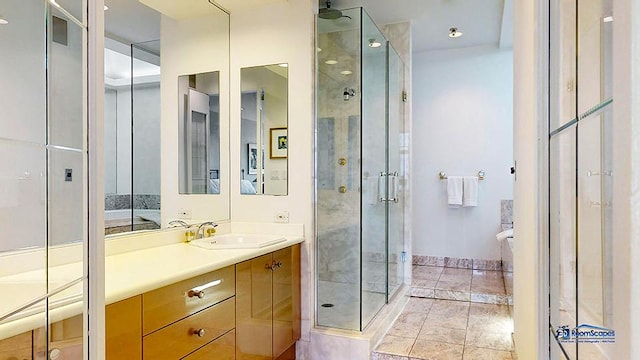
{"x":180,"y":301}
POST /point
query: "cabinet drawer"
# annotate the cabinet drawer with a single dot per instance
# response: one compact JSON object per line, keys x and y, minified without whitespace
{"x":171,"y":303}
{"x":179,"y":339}
{"x":222,"y":348}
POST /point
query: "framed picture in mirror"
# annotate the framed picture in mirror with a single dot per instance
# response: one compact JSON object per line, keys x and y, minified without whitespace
{"x":252,"y":158}
{"x":278,"y":143}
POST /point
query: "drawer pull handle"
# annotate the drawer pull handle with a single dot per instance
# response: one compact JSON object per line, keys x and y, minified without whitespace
{"x":199,"y":332}
{"x":196,"y":293}
{"x":278,"y":264}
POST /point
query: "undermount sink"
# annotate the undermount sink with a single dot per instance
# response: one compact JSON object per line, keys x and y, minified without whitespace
{"x":237,"y":241}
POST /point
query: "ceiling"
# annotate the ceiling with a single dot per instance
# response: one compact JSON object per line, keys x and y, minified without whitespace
{"x":481,"y":21}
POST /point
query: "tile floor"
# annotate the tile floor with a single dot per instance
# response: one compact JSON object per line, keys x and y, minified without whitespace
{"x":484,"y":286}
{"x":445,"y":329}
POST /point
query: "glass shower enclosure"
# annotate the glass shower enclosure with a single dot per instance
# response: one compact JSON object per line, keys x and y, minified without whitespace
{"x":580,"y":179}
{"x":359,"y":172}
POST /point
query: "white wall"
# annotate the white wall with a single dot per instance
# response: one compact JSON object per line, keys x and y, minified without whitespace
{"x":279,"y":33}
{"x":463,"y":105}
{"x":192,"y":46}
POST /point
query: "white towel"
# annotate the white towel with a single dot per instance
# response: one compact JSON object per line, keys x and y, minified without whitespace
{"x":454,"y":190}
{"x":470,"y":192}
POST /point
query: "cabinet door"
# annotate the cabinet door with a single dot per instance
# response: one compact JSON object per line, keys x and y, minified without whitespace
{"x":124,"y":329}
{"x":16,"y":347}
{"x":254,"y":308}
{"x":286,"y":299}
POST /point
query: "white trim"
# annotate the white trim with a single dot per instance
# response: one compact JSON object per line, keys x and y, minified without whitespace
{"x":94,"y":347}
{"x":544,"y":92}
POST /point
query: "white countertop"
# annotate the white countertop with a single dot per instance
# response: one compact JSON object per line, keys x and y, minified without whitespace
{"x":127,"y":274}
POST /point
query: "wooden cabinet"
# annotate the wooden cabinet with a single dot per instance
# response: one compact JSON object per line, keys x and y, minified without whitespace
{"x":250,"y":310}
{"x":174,"y":321}
{"x":17,"y":347}
{"x":124,"y":329}
{"x":171,"y":303}
{"x":222,"y":348}
{"x":178,"y":340}
{"x":268,"y":305}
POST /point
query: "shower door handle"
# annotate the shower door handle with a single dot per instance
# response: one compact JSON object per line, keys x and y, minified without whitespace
{"x":382,"y":196}
{"x":393,"y":191}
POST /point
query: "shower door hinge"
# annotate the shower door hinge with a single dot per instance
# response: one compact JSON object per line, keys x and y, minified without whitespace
{"x":405,"y":96}
{"x":403,"y":256}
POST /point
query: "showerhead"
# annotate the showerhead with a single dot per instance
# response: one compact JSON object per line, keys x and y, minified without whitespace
{"x":331,"y":14}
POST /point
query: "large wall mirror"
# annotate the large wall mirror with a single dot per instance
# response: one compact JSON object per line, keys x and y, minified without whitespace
{"x":132,"y":117}
{"x":199,"y":133}
{"x":148,"y":44}
{"x":264,"y":138}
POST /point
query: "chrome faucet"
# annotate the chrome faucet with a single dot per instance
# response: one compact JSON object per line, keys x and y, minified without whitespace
{"x":201,"y":228}
{"x":176,"y":223}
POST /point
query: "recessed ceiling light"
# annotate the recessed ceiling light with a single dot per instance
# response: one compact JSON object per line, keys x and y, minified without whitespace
{"x":106,"y":8}
{"x":454,"y":32}
{"x":346,"y":72}
{"x":608,"y":19}
{"x":283,"y":65}
{"x":331,"y":62}
{"x":374,"y":44}
{"x":3,"y":21}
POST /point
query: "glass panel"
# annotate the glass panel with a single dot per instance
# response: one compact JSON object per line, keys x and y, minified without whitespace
{"x":374,"y":170}
{"x":563,"y":68}
{"x":338,"y":148}
{"x":594,"y":231}
{"x":23,"y":93}
{"x":66,"y":198}
{"x":25,"y":345}
{"x":66,"y":81}
{"x":395,"y":169}
{"x":146,"y":135}
{"x":65,"y":333}
{"x":562,"y":234}
{"x":594,"y":47}
{"x":264,"y":139}
{"x":43,"y":172}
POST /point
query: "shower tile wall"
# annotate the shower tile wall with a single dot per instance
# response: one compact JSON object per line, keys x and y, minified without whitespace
{"x":338,"y":213}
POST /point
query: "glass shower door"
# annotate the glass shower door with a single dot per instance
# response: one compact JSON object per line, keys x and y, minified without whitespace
{"x":396,"y":174}
{"x":374,"y":200}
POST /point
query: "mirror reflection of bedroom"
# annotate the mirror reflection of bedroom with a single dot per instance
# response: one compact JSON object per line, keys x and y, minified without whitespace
{"x":264,"y":142}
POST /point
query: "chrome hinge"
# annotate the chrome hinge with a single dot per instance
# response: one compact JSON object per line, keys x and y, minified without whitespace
{"x":405,"y":96}
{"x":403,"y":257}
